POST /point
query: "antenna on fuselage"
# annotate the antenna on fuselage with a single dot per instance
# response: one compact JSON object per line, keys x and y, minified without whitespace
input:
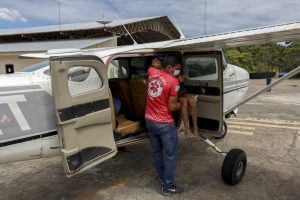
{"x":103,"y":22}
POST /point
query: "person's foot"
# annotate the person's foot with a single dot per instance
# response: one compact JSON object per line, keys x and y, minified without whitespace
{"x":196,"y":133}
{"x":172,"y":190}
{"x":188,"y":133}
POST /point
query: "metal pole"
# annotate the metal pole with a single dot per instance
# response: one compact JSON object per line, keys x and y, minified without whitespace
{"x":204,"y":17}
{"x":58,"y":1}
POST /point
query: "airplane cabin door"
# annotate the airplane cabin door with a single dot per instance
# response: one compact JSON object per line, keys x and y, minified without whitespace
{"x":203,"y":73}
{"x":81,"y":100}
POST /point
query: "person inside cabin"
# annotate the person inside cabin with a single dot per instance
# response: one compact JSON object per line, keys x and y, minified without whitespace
{"x":187,"y":101}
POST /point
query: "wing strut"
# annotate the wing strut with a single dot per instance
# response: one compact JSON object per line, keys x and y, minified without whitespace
{"x":288,"y":75}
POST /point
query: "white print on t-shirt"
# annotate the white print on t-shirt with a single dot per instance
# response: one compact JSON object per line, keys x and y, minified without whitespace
{"x":177,"y":88}
{"x":155,"y":88}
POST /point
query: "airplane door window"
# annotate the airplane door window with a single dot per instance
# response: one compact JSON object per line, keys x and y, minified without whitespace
{"x":78,"y":73}
{"x":201,"y":68}
{"x":83,"y":79}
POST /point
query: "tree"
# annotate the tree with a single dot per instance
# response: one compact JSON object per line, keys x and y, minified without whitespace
{"x":265,"y":58}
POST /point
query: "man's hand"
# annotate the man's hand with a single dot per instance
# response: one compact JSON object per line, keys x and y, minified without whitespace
{"x":173,"y":104}
{"x":156,"y":63}
{"x":180,"y":78}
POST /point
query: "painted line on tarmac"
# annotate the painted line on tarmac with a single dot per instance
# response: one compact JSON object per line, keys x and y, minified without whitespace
{"x":1,"y":133}
{"x":254,"y":103}
{"x":241,"y":132}
{"x":264,"y":125}
{"x":241,"y":127}
{"x":284,"y":99}
{"x":265,"y":120}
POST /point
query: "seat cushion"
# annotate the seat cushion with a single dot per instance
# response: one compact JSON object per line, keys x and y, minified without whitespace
{"x":138,"y":90}
{"x":126,"y":127}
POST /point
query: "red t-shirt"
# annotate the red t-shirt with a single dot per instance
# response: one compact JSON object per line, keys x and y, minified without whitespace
{"x":161,"y":85}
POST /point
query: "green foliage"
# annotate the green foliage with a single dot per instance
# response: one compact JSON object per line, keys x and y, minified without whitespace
{"x":265,"y":58}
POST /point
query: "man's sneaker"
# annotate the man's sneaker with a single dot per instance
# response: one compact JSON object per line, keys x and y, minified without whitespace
{"x":172,"y":190}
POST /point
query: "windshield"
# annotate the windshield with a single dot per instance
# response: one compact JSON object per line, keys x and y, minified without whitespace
{"x":35,"y":67}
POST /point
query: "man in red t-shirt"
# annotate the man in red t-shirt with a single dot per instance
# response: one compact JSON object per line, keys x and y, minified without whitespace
{"x":161,"y":101}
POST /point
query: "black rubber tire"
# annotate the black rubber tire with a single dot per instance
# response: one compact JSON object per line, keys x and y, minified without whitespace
{"x":234,"y":166}
{"x":224,"y":131}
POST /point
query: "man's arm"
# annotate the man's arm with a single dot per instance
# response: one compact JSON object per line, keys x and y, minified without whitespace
{"x":173,"y":103}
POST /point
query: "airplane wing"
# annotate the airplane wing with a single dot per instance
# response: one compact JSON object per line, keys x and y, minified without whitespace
{"x":262,"y":35}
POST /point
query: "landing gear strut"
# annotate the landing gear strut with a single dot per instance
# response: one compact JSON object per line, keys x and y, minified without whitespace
{"x":224,"y":131}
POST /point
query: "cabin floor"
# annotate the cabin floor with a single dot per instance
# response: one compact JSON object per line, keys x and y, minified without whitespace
{"x":267,"y":129}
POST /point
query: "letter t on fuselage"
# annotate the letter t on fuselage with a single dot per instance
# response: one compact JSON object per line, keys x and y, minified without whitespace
{"x":12,"y":101}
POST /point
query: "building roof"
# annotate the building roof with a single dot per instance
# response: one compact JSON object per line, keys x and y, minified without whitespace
{"x":71,"y":27}
{"x":47,"y":45}
{"x":150,"y":29}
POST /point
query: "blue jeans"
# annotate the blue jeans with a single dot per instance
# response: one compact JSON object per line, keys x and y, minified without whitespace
{"x":164,"y":143}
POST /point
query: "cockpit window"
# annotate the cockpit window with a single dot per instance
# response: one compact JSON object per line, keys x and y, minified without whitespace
{"x":201,"y":68}
{"x":118,"y":69}
{"x":35,"y":67}
{"x":224,"y":60}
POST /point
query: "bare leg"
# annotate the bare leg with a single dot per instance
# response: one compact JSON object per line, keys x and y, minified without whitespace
{"x":184,"y":114}
{"x":193,"y":105}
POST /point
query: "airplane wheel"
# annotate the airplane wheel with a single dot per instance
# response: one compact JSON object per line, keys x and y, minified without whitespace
{"x":234,"y":166}
{"x":222,"y":135}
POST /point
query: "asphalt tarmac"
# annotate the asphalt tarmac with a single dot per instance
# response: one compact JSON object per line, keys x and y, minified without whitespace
{"x":267,"y":129}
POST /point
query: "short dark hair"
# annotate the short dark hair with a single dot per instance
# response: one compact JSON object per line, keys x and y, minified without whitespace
{"x":170,"y":60}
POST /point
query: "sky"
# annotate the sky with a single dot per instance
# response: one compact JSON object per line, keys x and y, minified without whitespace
{"x":221,"y":15}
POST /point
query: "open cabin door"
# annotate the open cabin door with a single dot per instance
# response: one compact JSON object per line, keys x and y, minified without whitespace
{"x":81,"y":100}
{"x":204,"y":78}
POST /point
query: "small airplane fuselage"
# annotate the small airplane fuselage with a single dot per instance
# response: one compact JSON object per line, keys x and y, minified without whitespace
{"x":28,"y":128}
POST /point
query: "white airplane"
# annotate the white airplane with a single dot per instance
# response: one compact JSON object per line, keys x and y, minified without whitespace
{"x":80,"y":123}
